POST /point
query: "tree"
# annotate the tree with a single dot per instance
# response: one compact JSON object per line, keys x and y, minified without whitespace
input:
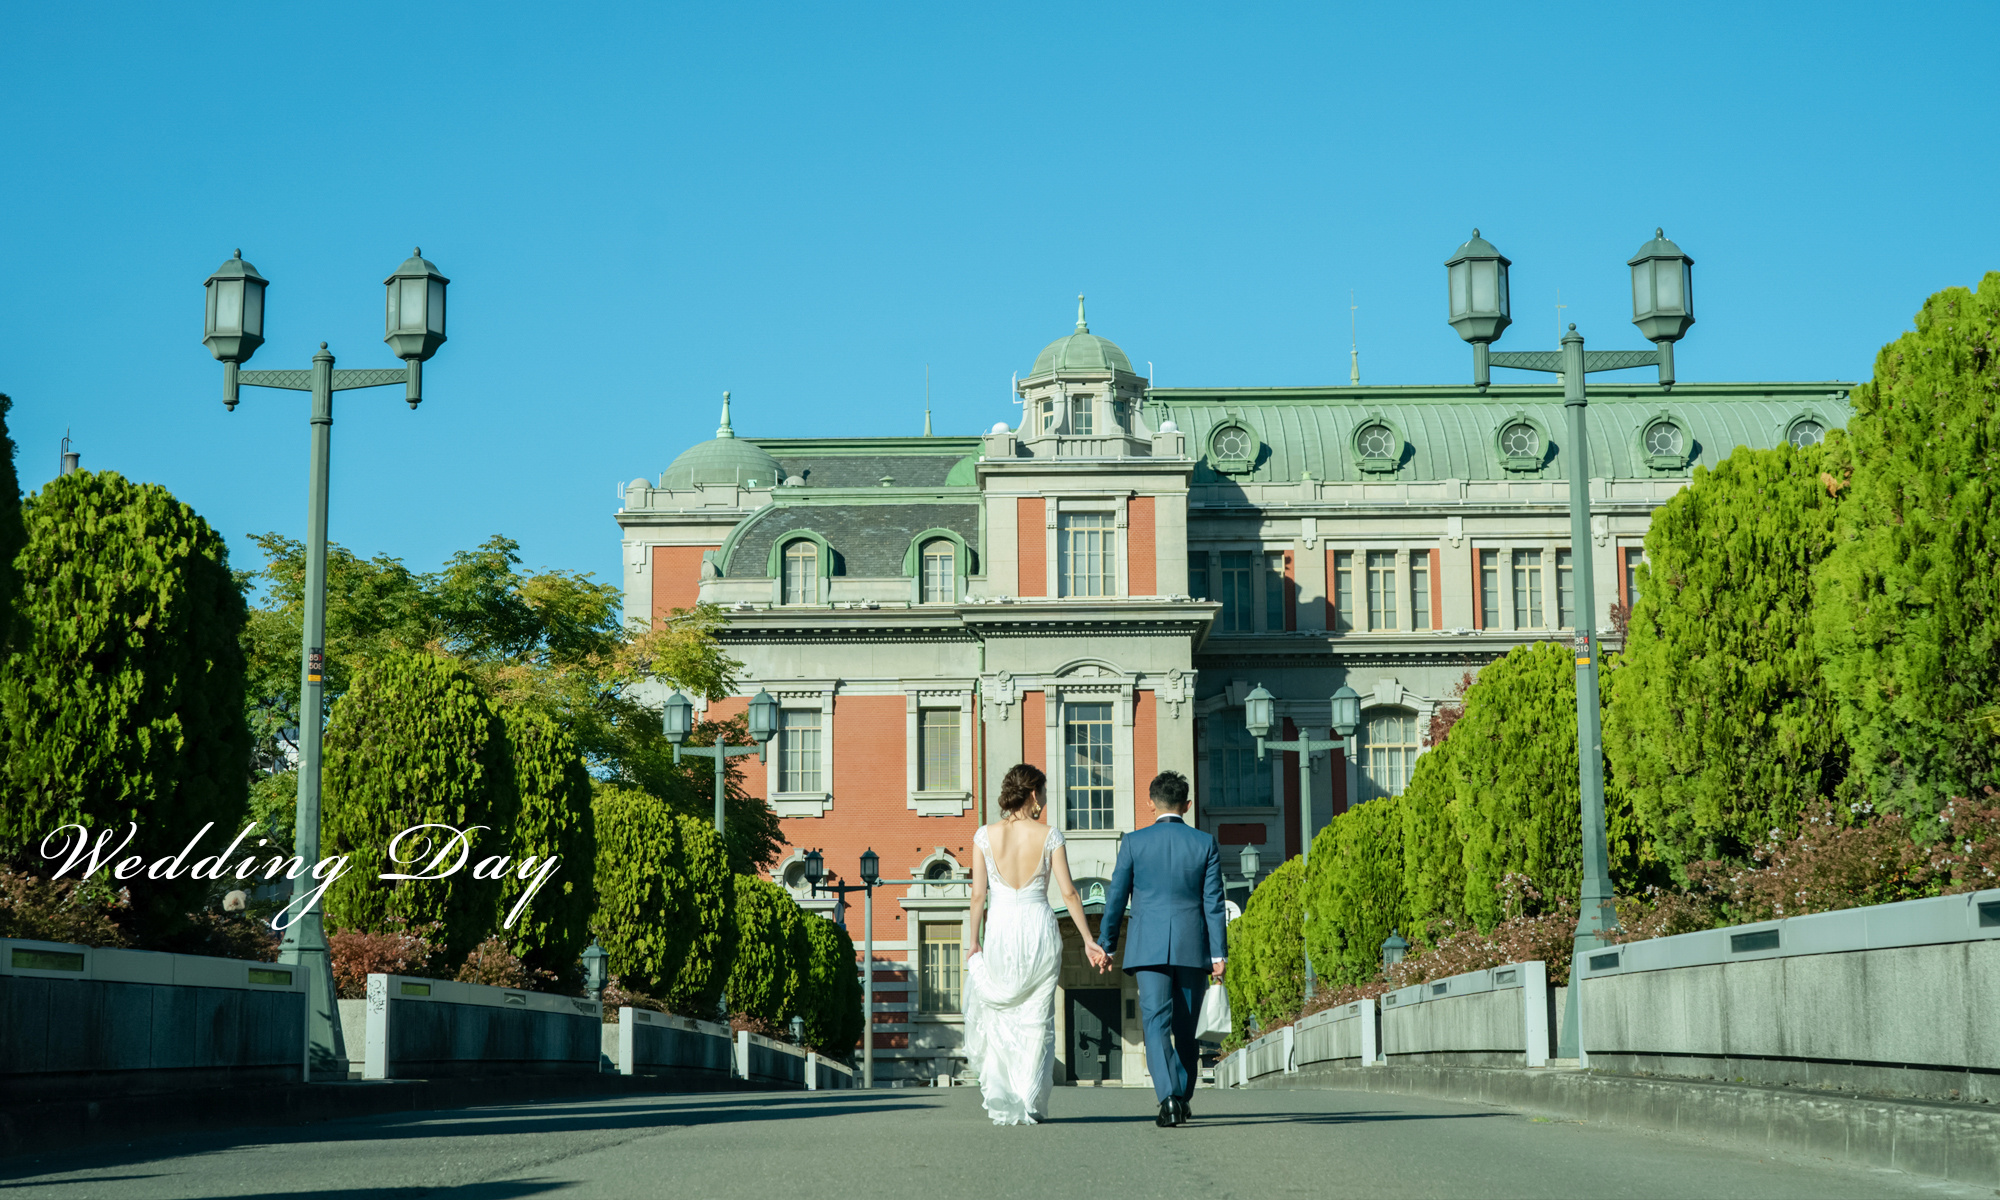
{"x":413,"y":743}
{"x":122,"y":691}
{"x":1354,"y":890}
{"x":1719,"y":725}
{"x":13,"y":531}
{"x":1908,"y":619}
{"x":1266,"y":977}
{"x":1515,"y":790}
{"x":555,"y":822}
{"x":772,"y":952}
{"x":666,"y":903}
{"x":832,"y":998}
{"x":1433,"y":853}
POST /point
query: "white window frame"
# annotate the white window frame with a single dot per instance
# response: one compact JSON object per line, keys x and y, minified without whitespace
{"x":946,"y":803}
{"x":803,"y":804}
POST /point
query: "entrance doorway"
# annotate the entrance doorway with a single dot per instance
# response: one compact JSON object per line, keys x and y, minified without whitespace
{"x":1091,"y":1016}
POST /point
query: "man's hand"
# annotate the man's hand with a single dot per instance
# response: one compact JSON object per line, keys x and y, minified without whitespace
{"x":1215,"y":968}
{"x":1097,"y":955}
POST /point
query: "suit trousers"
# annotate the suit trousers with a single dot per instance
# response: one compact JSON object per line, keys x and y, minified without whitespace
{"x":1167,"y":999}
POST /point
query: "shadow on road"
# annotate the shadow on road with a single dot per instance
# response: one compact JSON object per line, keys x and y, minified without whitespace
{"x":622,"y":1114}
{"x":1290,"y":1118}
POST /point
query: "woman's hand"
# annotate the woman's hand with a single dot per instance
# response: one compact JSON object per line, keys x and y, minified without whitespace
{"x":1099,"y":958}
{"x":972,"y":950}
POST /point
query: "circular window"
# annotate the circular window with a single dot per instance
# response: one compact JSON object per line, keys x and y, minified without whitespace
{"x":1663,"y":439}
{"x":1806,"y":433}
{"x":938,"y":870}
{"x":1233,"y":442}
{"x":1376,"y":441}
{"x":1520,"y":440}
{"x":795,"y":875}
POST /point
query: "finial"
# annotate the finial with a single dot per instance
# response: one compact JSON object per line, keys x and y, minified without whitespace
{"x":322,"y":345}
{"x":1475,"y":231}
{"x":1659,"y":231}
{"x":239,"y":252}
{"x":1572,"y":326}
{"x":927,"y":422}
{"x":1081,"y":327}
{"x":417,"y":251}
{"x":725,"y":431}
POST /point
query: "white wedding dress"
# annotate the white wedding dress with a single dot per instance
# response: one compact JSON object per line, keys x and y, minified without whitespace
{"x":1010,"y":993}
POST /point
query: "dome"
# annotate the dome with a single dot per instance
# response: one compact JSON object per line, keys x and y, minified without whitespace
{"x":1081,"y":351}
{"x":725,"y":461}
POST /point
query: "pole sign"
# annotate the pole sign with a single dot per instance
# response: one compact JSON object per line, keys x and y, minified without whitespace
{"x":315,"y":665}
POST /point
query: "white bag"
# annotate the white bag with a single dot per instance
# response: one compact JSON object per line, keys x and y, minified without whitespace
{"x":1215,"y":1023}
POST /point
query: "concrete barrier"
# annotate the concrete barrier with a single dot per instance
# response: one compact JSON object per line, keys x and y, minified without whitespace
{"x":1500,"y":1017}
{"x":82,"y":1020}
{"x":428,"y":1028}
{"x":1894,"y":998}
{"x":644,"y":1042}
{"x":761,"y":1060}
{"x":824,"y":1074}
{"x":1269,"y":1054}
{"x":1350,"y":1034}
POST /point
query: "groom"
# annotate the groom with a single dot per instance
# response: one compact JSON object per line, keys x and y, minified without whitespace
{"x":1173,"y":874}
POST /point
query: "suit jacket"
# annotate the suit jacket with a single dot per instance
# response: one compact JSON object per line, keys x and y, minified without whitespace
{"x":1172,"y":873}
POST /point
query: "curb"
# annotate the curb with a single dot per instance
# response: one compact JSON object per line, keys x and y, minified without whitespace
{"x":1960,"y":1142}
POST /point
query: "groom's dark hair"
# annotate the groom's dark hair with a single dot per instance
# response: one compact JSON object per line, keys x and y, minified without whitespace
{"x":1169,"y":790}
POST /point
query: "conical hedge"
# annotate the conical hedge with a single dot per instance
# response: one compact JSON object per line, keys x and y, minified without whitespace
{"x":666,"y":903}
{"x":554,"y":820}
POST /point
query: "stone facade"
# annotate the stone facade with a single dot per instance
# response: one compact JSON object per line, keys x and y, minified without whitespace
{"x":1095,"y":590}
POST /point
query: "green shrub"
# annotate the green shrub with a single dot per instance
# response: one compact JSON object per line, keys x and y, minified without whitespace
{"x":1433,"y":855}
{"x":1266,"y":976}
{"x":1718,"y":722}
{"x":122,"y":691}
{"x":772,"y":952}
{"x":13,"y":531}
{"x":1354,"y":891}
{"x":414,"y":743}
{"x":666,"y":906}
{"x":554,"y":821}
{"x":1908,"y":619}
{"x":831,"y":1004}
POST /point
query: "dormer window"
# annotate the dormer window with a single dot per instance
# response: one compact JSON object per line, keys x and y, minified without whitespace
{"x":940,"y":561}
{"x":1081,"y":422}
{"x":801,"y":580}
{"x":1045,"y":411}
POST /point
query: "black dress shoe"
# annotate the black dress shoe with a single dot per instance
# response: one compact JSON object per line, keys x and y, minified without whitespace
{"x":1169,"y":1114}
{"x":1184,"y":1112}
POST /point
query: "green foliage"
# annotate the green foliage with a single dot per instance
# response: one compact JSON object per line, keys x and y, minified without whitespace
{"x":13,"y":530}
{"x":123,"y":687}
{"x":413,"y":742}
{"x":1354,"y":890}
{"x":751,"y":830}
{"x":772,"y":951}
{"x":831,"y":1003}
{"x":1514,"y":772}
{"x":554,"y":822}
{"x":1908,"y":623}
{"x":1719,"y":725}
{"x":1267,"y":971}
{"x":1433,"y":856}
{"x":666,"y":906}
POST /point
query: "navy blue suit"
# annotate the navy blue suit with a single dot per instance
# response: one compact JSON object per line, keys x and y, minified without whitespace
{"x":1173,"y":876}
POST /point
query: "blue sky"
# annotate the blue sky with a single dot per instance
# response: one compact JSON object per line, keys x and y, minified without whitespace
{"x":640,"y":206}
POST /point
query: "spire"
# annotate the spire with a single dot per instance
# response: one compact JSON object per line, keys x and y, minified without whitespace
{"x":1354,"y":367}
{"x":725,"y":431}
{"x":927,"y":400}
{"x":1081,"y":326}
{"x":927,"y":422}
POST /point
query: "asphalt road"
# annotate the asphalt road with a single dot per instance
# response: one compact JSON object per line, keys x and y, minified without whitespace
{"x":937,"y":1145}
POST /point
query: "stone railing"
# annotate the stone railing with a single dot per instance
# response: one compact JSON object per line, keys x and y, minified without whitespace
{"x":81,"y":1020}
{"x":1499,"y":1017}
{"x":644,"y":1042}
{"x":427,"y":1028}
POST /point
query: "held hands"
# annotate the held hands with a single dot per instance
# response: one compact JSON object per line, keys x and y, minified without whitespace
{"x":1098,"y":957}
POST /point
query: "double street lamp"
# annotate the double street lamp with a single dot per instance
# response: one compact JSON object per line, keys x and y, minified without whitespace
{"x":1345,"y":710}
{"x":232,"y":329}
{"x":871,"y":878}
{"x":677,"y":721}
{"x":1663,"y":309}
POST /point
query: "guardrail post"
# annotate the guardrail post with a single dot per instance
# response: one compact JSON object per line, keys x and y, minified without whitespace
{"x":1535,"y":1011}
{"x":377,"y":1044}
{"x":743,"y":1054}
{"x":1291,"y":1043}
{"x":1371,"y":1033}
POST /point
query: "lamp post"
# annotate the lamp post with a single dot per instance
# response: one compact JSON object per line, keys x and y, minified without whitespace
{"x":1346,"y":721}
{"x":677,"y":720}
{"x":1249,"y":861}
{"x":1663,"y":309}
{"x":595,"y":970}
{"x":871,"y":878}
{"x":1257,"y":716}
{"x":232,"y":329}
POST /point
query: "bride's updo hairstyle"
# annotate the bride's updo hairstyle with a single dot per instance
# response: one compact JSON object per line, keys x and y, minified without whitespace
{"x":1017,"y":791}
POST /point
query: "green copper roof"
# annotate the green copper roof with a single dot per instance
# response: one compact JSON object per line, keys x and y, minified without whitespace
{"x":1454,"y":432}
{"x":725,"y":460}
{"x":1081,"y":351}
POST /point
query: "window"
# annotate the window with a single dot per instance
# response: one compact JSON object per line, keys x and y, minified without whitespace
{"x":1089,"y":554}
{"x":938,"y":969}
{"x":938,"y":741}
{"x":1240,"y":780}
{"x":1420,"y":591}
{"x":1274,"y":591}
{"x":1381,"y":589}
{"x":1046,"y":411}
{"x":1565,"y":590}
{"x":798,"y":750}
{"x":939,"y":871}
{"x":1198,"y":576}
{"x":1520,"y":440}
{"x":1343,"y":591}
{"x":1388,"y":752}
{"x":1087,"y":765}
{"x":801,"y":582}
{"x":940,"y":561}
{"x":1663,"y":440}
{"x":1528,"y":589}
{"x":1806,"y":433}
{"x":1236,"y":592}
{"x":1489,"y":589}
{"x":1377,"y":441}
{"x":1232,"y":443}
{"x":1080,"y":416}
{"x":1632,"y":560}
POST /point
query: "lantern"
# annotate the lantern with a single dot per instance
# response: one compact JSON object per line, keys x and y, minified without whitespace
{"x":235,"y":325}
{"x":763,"y":716}
{"x":595,"y":969}
{"x":415,"y":323}
{"x":1257,"y":712}
{"x":815,"y":867}
{"x":1346,"y":706}
{"x":1249,"y":860}
{"x":871,"y":867}
{"x":1476,"y":277}
{"x":1662,"y":297}
{"x":677,"y":718}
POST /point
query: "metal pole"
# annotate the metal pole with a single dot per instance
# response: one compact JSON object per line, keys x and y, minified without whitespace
{"x":1305,"y":842}
{"x":304,"y":944}
{"x":721,"y":778}
{"x":1598,"y":915}
{"x":868,"y":988}
{"x":1351,"y":768}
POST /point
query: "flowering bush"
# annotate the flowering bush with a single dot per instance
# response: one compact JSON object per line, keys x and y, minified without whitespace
{"x":60,"y":910}
{"x":404,"y":950}
{"x":494,"y":963}
{"x":616,"y":996}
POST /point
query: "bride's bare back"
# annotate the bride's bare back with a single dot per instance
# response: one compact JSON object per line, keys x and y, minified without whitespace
{"x":1017,"y":849}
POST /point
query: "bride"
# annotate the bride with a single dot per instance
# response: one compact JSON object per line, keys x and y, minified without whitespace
{"x":1010,"y":972}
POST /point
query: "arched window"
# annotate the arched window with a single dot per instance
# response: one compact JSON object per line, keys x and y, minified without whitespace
{"x":801,"y":580}
{"x":1388,"y":752}
{"x":940,"y":568}
{"x":939,"y":870}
